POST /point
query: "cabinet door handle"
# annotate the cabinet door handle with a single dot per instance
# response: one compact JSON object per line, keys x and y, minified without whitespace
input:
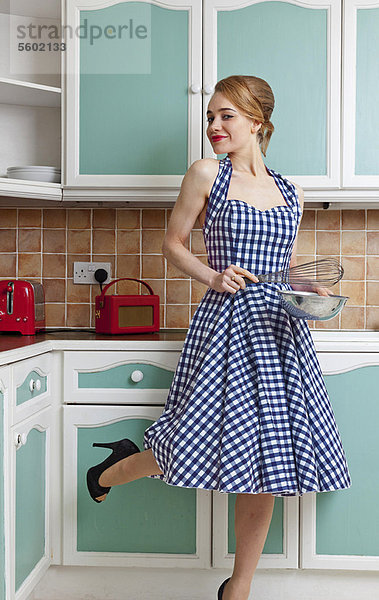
{"x":35,"y":384}
{"x":208,"y":89}
{"x":20,"y":439}
{"x":136,"y":376}
{"x":195,"y":88}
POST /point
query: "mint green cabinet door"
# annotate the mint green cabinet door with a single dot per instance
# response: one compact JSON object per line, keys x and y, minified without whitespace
{"x":295,"y":47}
{"x":146,"y":516}
{"x":142,"y":523}
{"x":346,"y":522}
{"x":132,"y":119}
{"x":361,"y":76}
{"x":30,"y":504}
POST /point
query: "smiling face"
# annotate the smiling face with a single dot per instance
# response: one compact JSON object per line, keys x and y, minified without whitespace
{"x":228,"y":129}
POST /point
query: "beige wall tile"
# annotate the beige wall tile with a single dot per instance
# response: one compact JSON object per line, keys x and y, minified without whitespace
{"x":128,"y":241}
{"x":177,"y":316}
{"x":77,"y":292}
{"x":372,"y":318}
{"x":128,"y":265}
{"x":71,"y":259}
{"x":152,"y":266}
{"x":55,"y":315}
{"x":29,"y":217}
{"x":197,"y":243}
{"x":54,"y":265}
{"x":128,"y":218}
{"x":306,"y":242}
{"x":353,"y":242}
{"x":308,"y":219}
{"x":54,"y":240}
{"x":373,"y":293}
{"x":54,"y":218}
{"x":173,"y":272}
{"x":352,"y":317}
{"x":356,"y":292}
{"x":353,"y":219}
{"x":29,"y":240}
{"x":55,"y":290}
{"x":8,"y":240}
{"x":354,"y":267}
{"x":198,"y":290}
{"x":152,"y":241}
{"x":373,"y":218}
{"x":29,"y":265}
{"x":104,"y":218}
{"x":328,"y":242}
{"x":177,"y":291}
{"x":7,"y":265}
{"x":79,"y":241}
{"x":372,"y":267}
{"x":372,"y":242}
{"x":78,"y":315}
{"x":79,"y":218}
{"x":328,"y":219}
{"x":8,"y":217}
{"x":153,"y":217}
{"x":103,"y":241}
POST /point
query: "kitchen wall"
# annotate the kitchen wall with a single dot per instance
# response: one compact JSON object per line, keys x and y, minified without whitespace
{"x":42,"y":244}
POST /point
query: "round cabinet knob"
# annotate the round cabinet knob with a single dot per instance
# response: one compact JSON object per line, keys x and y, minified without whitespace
{"x":208,"y":89}
{"x":195,"y":88}
{"x":136,"y":376}
{"x":35,"y":384}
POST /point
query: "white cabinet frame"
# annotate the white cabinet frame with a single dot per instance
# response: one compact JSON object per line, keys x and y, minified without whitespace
{"x":333,"y":7}
{"x":84,"y":416}
{"x":136,"y":187}
{"x":349,"y":179}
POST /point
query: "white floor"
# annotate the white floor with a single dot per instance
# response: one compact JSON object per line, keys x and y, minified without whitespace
{"x":109,"y":583}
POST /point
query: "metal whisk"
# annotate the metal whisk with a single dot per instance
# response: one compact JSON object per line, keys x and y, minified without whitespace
{"x":324,"y":271}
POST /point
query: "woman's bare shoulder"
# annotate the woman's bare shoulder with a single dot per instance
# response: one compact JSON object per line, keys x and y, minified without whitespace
{"x":300,"y":193}
{"x":202,"y":174}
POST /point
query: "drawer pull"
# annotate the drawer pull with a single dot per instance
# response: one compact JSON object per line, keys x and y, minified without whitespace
{"x":136,"y":376}
{"x":35,"y":384}
{"x":20,"y":439}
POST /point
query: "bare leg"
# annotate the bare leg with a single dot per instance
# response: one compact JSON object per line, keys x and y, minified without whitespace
{"x":128,"y":469}
{"x":252,"y":518}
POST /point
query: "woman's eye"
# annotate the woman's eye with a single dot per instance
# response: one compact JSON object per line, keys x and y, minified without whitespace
{"x":209,"y":119}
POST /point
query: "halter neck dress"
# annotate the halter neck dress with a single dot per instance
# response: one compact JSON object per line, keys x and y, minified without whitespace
{"x":248,"y":410}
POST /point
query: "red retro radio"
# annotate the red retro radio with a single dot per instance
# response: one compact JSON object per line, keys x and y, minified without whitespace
{"x":22,"y":306}
{"x":126,"y":313}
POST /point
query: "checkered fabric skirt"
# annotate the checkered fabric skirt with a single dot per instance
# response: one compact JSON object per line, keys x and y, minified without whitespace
{"x":247,"y":410}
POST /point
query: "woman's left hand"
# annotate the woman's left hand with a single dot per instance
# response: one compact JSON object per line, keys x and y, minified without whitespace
{"x":322,"y":291}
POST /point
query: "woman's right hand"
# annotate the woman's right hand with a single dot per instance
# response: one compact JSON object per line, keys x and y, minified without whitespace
{"x":231,"y":279}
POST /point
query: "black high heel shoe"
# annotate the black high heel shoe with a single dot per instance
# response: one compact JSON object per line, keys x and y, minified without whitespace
{"x":121,"y":449}
{"x":221,"y":589}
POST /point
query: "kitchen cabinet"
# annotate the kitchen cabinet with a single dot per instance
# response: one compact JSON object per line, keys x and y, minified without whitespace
{"x":361,"y":74}
{"x":144,"y":523}
{"x":139,"y":98}
{"x":339,"y":529}
{"x":30,"y":98}
{"x":320,"y":536}
{"x":30,"y":430}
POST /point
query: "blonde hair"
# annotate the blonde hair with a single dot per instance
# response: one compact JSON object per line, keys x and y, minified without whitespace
{"x":254,"y":98}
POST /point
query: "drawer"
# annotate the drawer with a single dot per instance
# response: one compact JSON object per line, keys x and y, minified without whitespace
{"x":131,"y":377}
{"x":31,"y":386}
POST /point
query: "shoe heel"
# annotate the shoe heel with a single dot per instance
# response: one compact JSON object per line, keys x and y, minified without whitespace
{"x":110,"y":445}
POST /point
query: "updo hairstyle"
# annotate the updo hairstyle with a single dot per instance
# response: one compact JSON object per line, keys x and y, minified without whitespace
{"x":254,"y":99}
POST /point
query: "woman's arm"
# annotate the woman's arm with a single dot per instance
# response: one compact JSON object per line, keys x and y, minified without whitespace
{"x":189,"y":204}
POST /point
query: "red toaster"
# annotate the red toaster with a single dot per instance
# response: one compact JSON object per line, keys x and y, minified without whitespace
{"x":130,"y":313}
{"x":22,"y":306}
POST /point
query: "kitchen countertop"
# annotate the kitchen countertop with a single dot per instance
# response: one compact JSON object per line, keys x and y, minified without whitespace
{"x":14,"y":347}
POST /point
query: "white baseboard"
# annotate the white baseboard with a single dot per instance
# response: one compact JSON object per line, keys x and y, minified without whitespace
{"x":112,"y":583}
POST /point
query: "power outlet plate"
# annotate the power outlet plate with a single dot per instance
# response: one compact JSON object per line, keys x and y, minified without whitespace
{"x":84,"y":272}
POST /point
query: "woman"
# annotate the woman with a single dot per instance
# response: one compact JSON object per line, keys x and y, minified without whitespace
{"x":247,"y":411}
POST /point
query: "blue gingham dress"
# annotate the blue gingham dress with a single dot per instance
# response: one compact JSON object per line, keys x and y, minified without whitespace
{"x":247,"y":410}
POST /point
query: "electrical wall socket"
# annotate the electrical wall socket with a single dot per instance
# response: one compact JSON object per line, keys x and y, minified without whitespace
{"x":84,"y":272}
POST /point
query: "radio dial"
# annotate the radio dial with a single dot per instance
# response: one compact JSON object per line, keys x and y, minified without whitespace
{"x":136,"y":376}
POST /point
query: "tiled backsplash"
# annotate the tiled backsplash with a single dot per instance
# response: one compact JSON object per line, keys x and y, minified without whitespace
{"x":42,"y":244}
